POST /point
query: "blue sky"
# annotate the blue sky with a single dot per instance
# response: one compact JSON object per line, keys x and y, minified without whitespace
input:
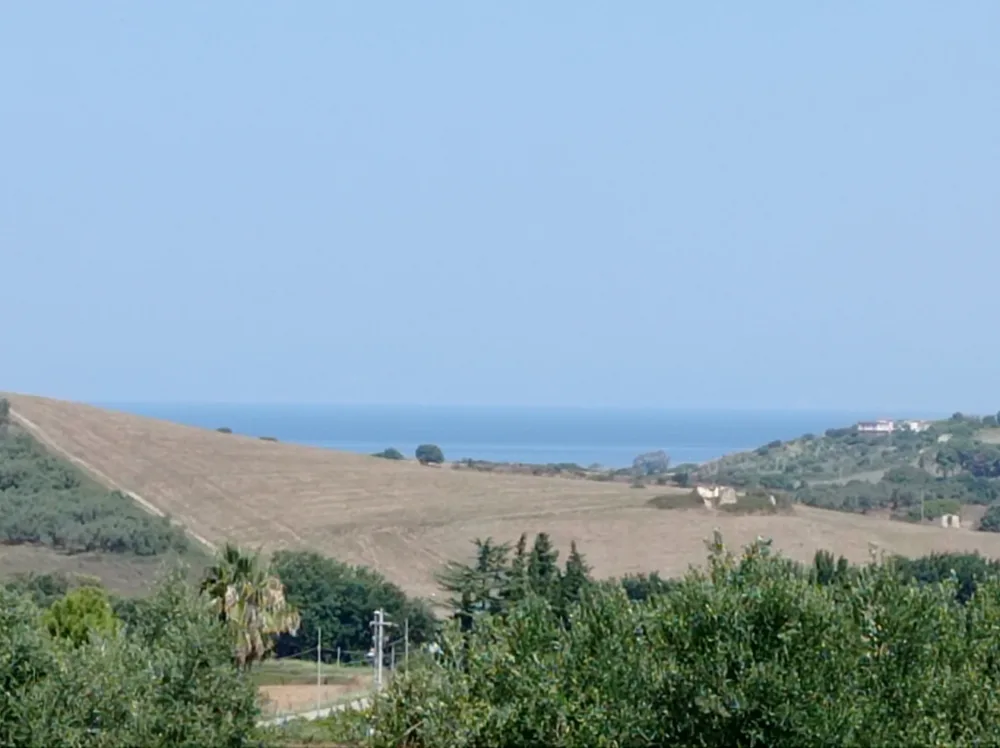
{"x":764,"y":205}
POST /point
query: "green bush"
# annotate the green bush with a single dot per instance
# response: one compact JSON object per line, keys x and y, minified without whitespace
{"x":224,"y":430}
{"x":429,"y":454}
{"x":677,"y":501}
{"x":166,"y":682}
{"x":390,"y":454}
{"x":991,"y":520}
{"x":751,"y":652}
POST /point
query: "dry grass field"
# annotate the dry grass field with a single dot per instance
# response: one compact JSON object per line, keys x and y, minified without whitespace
{"x":125,"y":575}
{"x":407,"y":520}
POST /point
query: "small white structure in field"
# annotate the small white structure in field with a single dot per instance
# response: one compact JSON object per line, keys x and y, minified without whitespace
{"x":713,"y":496}
{"x":727,"y":495}
{"x":951,"y":520}
{"x":773,"y":501}
{"x":707,"y":495}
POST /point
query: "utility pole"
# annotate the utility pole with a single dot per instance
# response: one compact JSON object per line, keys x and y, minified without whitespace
{"x":319,"y":665}
{"x":379,"y":624}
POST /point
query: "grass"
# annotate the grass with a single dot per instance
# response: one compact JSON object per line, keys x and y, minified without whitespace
{"x":406,"y":520}
{"x":289,"y":672}
{"x":123,"y":574}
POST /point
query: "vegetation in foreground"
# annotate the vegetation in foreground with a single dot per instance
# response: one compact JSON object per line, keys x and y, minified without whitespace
{"x":753,"y":650}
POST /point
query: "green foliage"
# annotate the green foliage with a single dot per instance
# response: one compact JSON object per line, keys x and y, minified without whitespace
{"x":677,"y":501}
{"x":339,"y":599}
{"x":390,"y":454}
{"x":268,"y":438}
{"x":753,"y":651}
{"x":45,"y":501}
{"x":4,"y":413}
{"x":81,"y":614}
{"x":840,"y":454}
{"x":991,"y":520}
{"x":641,"y":587}
{"x":43,"y":589}
{"x":250,"y":603}
{"x":651,"y":463}
{"x":224,"y":430}
{"x":166,"y":682}
{"x":429,"y":454}
{"x":498,"y":579}
{"x":967,"y":571}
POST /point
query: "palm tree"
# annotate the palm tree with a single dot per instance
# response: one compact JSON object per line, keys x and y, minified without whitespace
{"x":250,"y":601}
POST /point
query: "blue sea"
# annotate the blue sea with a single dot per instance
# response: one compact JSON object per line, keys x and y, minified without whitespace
{"x":586,"y":436}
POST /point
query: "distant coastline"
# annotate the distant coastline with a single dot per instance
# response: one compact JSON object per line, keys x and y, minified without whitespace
{"x":536,"y":436}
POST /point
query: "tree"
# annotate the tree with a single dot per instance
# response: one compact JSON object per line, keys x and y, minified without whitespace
{"x":751,"y":651}
{"x":250,"y":602}
{"x":543,"y":568}
{"x":4,"y":413}
{"x":651,"y":463}
{"x":167,"y":680}
{"x":80,"y":614}
{"x":339,"y":599}
{"x":575,"y":578}
{"x":390,"y":454}
{"x":478,"y":588}
{"x":429,"y":454}
{"x":517,"y":587}
{"x":991,"y":520}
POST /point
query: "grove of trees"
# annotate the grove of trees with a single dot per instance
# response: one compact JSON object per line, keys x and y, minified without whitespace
{"x":754,"y":650}
{"x":44,"y":500}
{"x":75,"y":677}
{"x":339,"y":599}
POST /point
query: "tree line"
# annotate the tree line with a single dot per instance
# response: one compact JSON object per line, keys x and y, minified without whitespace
{"x":753,"y":649}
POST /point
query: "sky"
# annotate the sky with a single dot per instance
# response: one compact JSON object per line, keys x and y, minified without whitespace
{"x":776,"y":205}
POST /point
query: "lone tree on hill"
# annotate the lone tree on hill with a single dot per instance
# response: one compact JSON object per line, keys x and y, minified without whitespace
{"x":651,"y":463}
{"x":429,"y":454}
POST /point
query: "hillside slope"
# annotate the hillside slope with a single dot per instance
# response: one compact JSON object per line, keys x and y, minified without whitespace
{"x":407,"y":520}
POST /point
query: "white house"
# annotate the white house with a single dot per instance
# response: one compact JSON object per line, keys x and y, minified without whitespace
{"x":881,"y":426}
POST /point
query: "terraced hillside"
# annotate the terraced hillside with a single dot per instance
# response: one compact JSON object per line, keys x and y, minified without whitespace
{"x":407,"y":520}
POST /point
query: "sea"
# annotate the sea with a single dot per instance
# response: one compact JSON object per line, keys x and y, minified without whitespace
{"x":585,"y":436}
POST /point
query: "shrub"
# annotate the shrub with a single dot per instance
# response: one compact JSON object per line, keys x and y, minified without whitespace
{"x":429,"y":454}
{"x":268,"y":438}
{"x":991,"y":520}
{"x":751,"y":651}
{"x":81,"y":613}
{"x":390,"y":454}
{"x":165,"y":681}
{"x":677,"y":501}
{"x":224,"y":430}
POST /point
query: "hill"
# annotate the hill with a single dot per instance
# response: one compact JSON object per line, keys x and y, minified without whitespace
{"x":55,"y":518}
{"x":406,"y":520}
{"x":950,"y":466}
